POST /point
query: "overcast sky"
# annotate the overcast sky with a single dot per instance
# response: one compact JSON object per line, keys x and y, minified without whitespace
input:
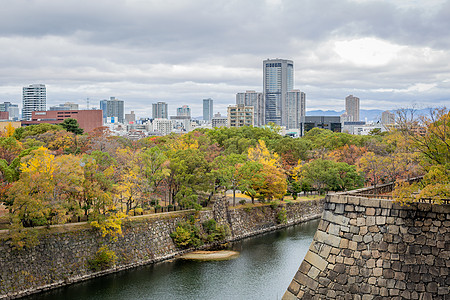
{"x":390,"y":54}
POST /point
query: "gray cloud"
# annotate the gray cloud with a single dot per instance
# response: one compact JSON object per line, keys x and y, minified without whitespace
{"x":184,"y":51}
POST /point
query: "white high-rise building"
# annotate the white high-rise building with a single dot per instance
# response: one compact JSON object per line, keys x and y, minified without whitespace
{"x":207,"y":109}
{"x":252,"y":98}
{"x":295,"y":108}
{"x":352,"y":107}
{"x":162,"y":126}
{"x":34,"y":98}
{"x":278,"y":79}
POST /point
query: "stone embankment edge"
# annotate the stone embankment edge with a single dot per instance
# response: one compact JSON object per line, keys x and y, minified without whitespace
{"x":376,"y":249}
{"x":270,"y":225}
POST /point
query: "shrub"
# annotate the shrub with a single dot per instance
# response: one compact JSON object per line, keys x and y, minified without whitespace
{"x":215,"y":232}
{"x":282,"y":216}
{"x":274,"y":204}
{"x":103,"y":259}
{"x":186,"y":235}
{"x":242,"y":202}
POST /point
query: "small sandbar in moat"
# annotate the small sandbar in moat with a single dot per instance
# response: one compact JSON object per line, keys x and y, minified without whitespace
{"x":211,"y":255}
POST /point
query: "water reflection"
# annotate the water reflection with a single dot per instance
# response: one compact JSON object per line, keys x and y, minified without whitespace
{"x":265,"y":267}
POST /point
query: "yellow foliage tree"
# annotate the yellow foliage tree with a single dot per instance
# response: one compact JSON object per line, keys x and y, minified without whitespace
{"x":274,"y":184}
{"x":32,"y":194}
{"x":261,"y":154}
{"x":110,"y":224}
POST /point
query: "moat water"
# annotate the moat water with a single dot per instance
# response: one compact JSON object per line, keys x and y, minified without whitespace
{"x":264,"y":269}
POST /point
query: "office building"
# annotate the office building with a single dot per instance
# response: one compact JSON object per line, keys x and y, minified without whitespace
{"x":207,"y":109}
{"x":160,"y":110}
{"x":12,"y":109}
{"x":4,"y":116}
{"x":87,"y":119}
{"x":240,"y":115}
{"x":295,"y":108}
{"x":352,"y":108}
{"x":162,"y":126}
{"x":65,"y":106}
{"x":278,"y":79}
{"x":184,"y":111}
{"x":113,"y":110}
{"x":219,"y":121}
{"x":34,"y":98}
{"x":181,"y":123}
{"x":252,"y":98}
{"x":332,"y":123}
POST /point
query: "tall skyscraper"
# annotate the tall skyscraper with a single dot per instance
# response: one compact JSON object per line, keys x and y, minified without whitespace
{"x":295,"y":108}
{"x":278,"y":79}
{"x":160,"y":110}
{"x":207,"y":109}
{"x":34,"y":98}
{"x":252,"y":98}
{"x":352,"y":107}
{"x":113,"y":110}
{"x":184,"y":111}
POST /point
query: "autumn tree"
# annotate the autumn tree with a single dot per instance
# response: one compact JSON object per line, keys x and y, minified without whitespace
{"x":37,"y":197}
{"x":349,"y":154}
{"x":433,"y":145}
{"x":131,"y":188}
{"x":235,"y":172}
{"x":99,"y":179}
{"x":274,"y":184}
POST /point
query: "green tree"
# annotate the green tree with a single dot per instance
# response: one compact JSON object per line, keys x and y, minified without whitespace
{"x":33,"y":130}
{"x":188,"y":173}
{"x":71,"y":125}
{"x":326,"y":175}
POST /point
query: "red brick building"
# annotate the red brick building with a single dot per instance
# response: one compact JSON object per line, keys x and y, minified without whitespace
{"x":4,"y":115}
{"x":88,"y":119}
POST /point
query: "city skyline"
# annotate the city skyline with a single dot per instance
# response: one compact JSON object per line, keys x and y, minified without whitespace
{"x":389,"y":53}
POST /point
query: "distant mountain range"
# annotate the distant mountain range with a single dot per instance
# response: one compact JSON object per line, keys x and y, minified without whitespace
{"x":364,"y":114}
{"x":368,"y":115}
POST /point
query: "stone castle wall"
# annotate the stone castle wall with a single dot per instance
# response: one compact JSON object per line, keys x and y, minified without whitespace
{"x":62,"y":255}
{"x":376,"y":249}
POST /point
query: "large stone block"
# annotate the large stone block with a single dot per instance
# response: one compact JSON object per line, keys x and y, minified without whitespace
{"x":338,"y":219}
{"x":328,"y":239}
{"x":289,"y":296}
{"x":316,"y":261}
{"x":306,"y":281}
{"x":370,"y":202}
